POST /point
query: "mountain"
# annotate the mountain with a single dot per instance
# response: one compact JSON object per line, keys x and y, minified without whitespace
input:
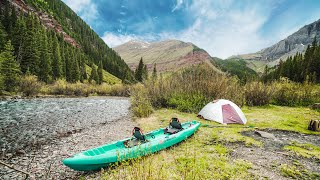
{"x":297,"y":42}
{"x":168,"y":55}
{"x":48,"y":37}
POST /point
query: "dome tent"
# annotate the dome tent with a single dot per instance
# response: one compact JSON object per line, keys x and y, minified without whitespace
{"x":223,"y":111}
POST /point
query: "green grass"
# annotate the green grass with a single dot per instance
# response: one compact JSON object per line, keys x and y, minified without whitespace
{"x":297,"y":172}
{"x":257,"y":66}
{"x":206,"y":155}
{"x":304,"y":150}
{"x":107,"y":77}
{"x":281,"y":117}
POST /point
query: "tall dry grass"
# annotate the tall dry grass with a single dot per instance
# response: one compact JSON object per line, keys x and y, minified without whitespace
{"x":140,"y":101}
{"x":288,"y":93}
{"x":189,"y":90}
{"x":258,"y":93}
{"x":192,"y":88}
{"x":62,"y":87}
{"x":29,"y":85}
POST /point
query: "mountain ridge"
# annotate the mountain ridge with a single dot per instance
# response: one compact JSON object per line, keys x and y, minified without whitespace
{"x":289,"y":46}
{"x":168,"y":55}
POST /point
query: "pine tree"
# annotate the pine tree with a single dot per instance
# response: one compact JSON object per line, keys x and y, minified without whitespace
{"x":30,"y":49}
{"x":63,"y":60}
{"x":73,"y":67}
{"x":100,"y":73}
{"x":13,"y":21}
{"x":145,"y":73}
{"x":9,"y":68}
{"x":3,"y":37}
{"x":139,"y":71}
{"x":307,"y":60}
{"x":68,"y":58}
{"x":154,"y":73}
{"x":265,"y":74}
{"x":94,"y":75}
{"x":45,"y":69}
{"x":56,"y":61}
{"x":82,"y":67}
{"x":6,"y":18}
{"x":279,"y":70}
{"x":18,"y":34}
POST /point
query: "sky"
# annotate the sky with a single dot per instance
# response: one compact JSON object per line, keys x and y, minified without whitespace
{"x":221,"y":27}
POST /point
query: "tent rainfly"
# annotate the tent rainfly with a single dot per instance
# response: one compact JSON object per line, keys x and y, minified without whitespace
{"x":223,"y":111}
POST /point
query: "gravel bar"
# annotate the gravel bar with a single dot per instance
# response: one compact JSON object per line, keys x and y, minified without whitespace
{"x":36,"y":134}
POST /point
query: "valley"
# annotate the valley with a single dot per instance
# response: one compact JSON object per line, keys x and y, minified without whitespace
{"x":82,"y":83}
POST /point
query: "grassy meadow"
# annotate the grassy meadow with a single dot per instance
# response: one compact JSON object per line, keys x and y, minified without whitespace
{"x":212,"y":152}
{"x":208,"y":154}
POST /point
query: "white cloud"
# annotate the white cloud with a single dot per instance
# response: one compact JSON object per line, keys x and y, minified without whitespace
{"x":86,"y":9}
{"x":113,"y":40}
{"x":219,"y":28}
{"x":177,"y":6}
{"x":223,"y":30}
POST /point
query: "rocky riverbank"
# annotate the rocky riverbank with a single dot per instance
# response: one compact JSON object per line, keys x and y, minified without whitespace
{"x":37,"y":134}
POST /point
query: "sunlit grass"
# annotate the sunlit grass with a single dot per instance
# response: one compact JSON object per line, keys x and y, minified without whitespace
{"x":281,"y":117}
{"x":206,"y":154}
{"x":304,"y":150}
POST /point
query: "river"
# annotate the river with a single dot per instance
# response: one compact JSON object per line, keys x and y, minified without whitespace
{"x":36,"y":134}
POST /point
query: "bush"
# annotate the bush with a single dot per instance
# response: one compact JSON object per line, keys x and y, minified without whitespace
{"x":187,"y":102}
{"x":190,"y":89}
{"x":112,"y":90}
{"x":59,"y":87}
{"x":29,"y":85}
{"x":257,"y":94}
{"x":140,"y":102}
{"x":288,"y":93}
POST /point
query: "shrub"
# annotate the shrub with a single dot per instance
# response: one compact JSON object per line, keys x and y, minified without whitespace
{"x":59,"y":87}
{"x":257,"y":94}
{"x":190,"y":89}
{"x":29,"y":85}
{"x":140,"y":102}
{"x":187,"y":102}
{"x":79,"y":89}
{"x":288,"y":93}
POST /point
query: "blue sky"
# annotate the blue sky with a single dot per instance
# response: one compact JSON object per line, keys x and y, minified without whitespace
{"x":221,"y":27}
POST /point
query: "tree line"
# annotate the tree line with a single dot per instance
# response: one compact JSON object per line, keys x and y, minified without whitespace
{"x":298,"y":68}
{"x":40,"y":51}
{"x":141,"y":73}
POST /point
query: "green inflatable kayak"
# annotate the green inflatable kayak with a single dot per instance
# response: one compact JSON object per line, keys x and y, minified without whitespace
{"x":138,"y":145}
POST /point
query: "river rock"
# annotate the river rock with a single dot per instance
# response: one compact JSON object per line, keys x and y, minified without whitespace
{"x":265,"y":134}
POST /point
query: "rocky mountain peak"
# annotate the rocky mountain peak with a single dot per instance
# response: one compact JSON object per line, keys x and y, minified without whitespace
{"x":296,"y":42}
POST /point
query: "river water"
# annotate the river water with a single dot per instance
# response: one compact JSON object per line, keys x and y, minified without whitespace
{"x":58,"y":127}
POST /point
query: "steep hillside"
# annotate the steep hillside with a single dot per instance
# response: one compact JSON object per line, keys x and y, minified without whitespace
{"x":297,"y":42}
{"x":236,"y":67}
{"x":37,"y":23}
{"x":168,"y":55}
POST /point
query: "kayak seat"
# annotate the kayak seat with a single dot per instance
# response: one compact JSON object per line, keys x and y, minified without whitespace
{"x":175,"y":123}
{"x":137,"y":133}
{"x":174,"y":127}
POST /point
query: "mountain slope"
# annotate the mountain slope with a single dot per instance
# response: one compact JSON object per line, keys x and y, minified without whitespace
{"x":236,"y":67}
{"x":297,"y":42}
{"x":168,"y":55}
{"x":76,"y":40}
